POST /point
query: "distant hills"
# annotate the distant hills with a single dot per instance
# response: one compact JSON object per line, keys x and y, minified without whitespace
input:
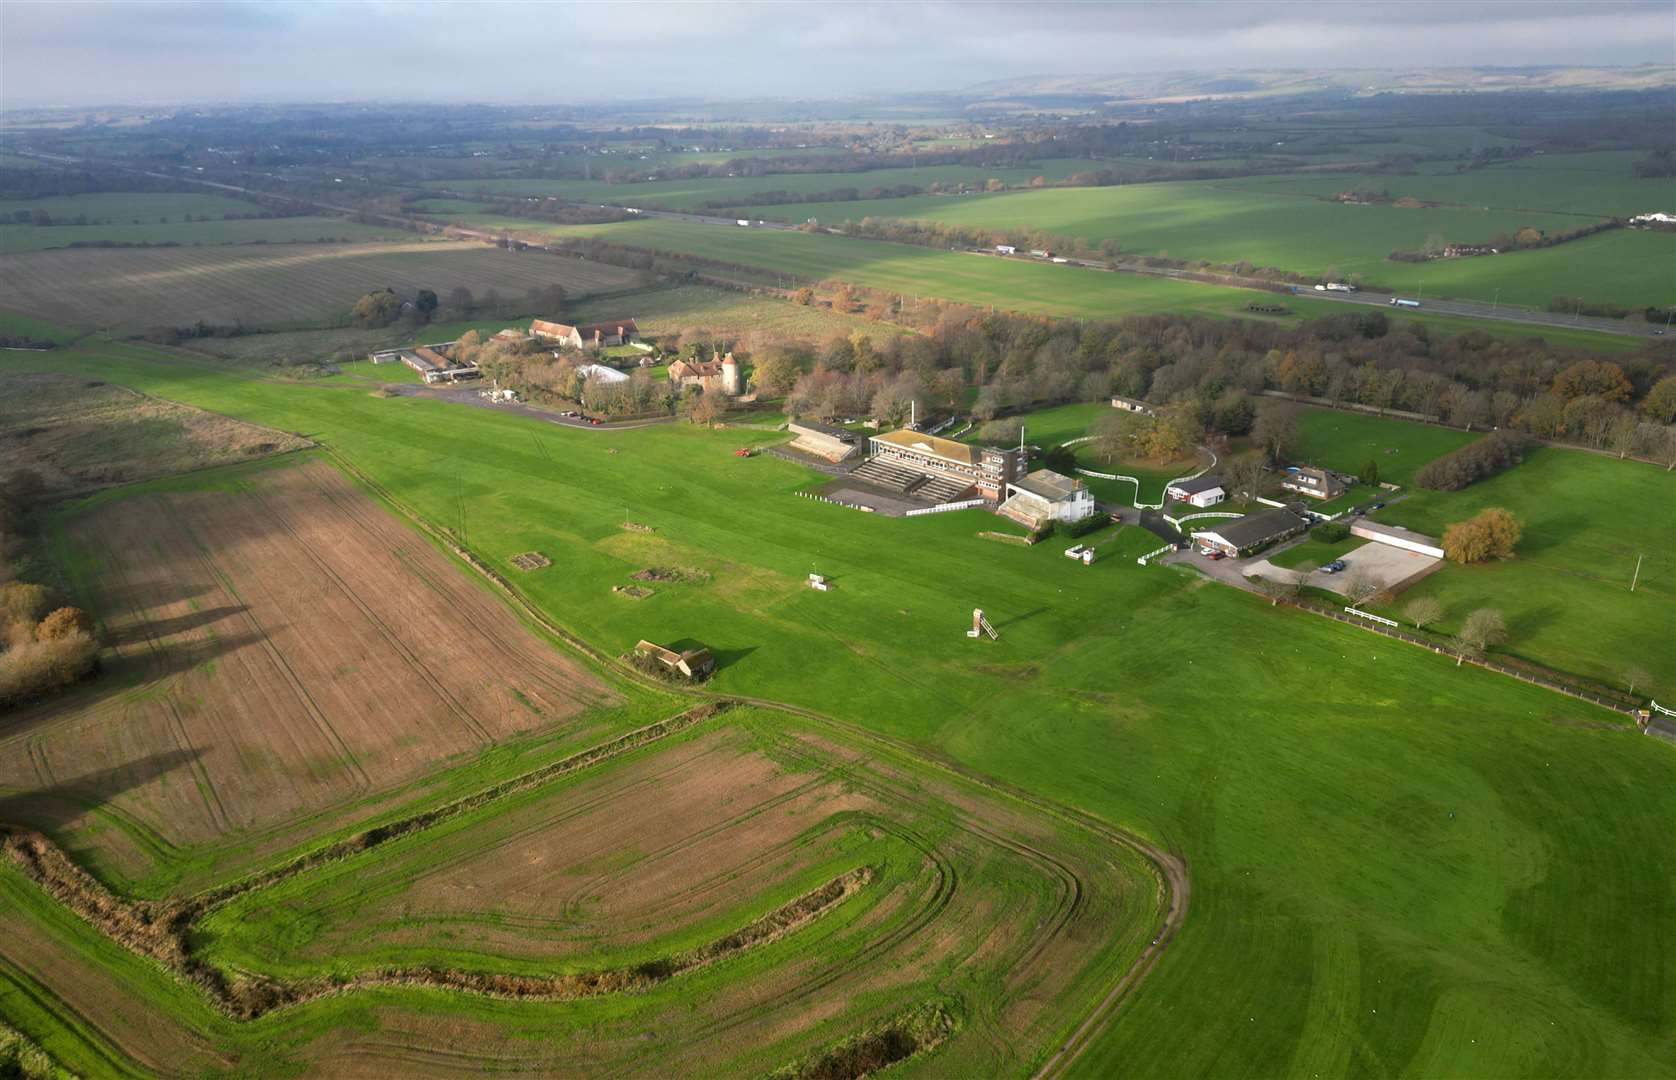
{"x":1171,"y":86}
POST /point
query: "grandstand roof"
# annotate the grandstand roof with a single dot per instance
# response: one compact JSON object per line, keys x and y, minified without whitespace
{"x":1049,"y":485}
{"x":935,"y":446}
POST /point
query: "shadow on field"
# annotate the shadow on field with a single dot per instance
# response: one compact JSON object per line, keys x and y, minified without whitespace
{"x":122,"y":598}
{"x":52,"y":809}
{"x":120,"y":676}
{"x":725,"y":658}
{"x":1016,"y":619}
{"x":180,"y":624}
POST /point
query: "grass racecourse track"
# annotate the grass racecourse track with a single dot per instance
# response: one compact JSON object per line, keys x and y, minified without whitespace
{"x":1397,"y":865}
{"x":135,"y":290}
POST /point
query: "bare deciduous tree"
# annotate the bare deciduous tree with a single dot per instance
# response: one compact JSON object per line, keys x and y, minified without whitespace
{"x":1423,"y":610}
{"x":1483,"y":628}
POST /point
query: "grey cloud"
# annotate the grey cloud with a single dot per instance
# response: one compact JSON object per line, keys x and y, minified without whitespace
{"x":100,"y":52}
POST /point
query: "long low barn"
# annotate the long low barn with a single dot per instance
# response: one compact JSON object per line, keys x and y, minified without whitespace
{"x":1397,"y":536}
{"x":1251,"y":532}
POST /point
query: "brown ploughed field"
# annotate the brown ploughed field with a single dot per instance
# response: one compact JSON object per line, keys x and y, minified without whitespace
{"x":276,"y":649}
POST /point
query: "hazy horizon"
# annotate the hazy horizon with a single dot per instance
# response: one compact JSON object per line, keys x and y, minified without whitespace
{"x":171,"y":53}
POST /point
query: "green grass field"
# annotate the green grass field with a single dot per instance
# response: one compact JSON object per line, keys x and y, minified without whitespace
{"x":1345,"y":441}
{"x":696,"y":193}
{"x":147,"y":218}
{"x":1398,"y":866}
{"x":1006,"y":284}
{"x":1566,"y":595}
{"x":1227,"y":221}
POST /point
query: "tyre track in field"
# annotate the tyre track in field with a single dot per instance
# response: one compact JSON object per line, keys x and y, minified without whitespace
{"x":260,"y":638}
{"x":1169,"y":869}
{"x":396,"y":645}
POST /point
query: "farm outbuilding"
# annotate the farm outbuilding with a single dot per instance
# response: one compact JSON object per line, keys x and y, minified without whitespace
{"x":1397,"y":536}
{"x":693,"y":664}
{"x":1128,"y":404}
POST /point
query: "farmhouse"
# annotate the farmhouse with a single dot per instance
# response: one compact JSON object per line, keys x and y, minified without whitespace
{"x":1045,"y":496}
{"x":1251,"y":532}
{"x":1316,"y":483}
{"x":938,"y":469}
{"x":1397,"y":536}
{"x":834,"y":444}
{"x":1201,"y":491}
{"x":719,"y":373}
{"x":693,"y":664}
{"x":1128,"y":404}
{"x":590,"y":336}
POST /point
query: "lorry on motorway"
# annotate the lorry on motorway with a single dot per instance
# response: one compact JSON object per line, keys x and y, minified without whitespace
{"x":743,"y":221}
{"x":1404,"y":303}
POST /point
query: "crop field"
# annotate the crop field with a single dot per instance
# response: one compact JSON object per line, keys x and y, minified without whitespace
{"x":76,"y":436}
{"x":134,"y":290}
{"x":918,"y":272}
{"x":277,"y":646}
{"x":738,"y":895}
{"x":696,"y":310}
{"x":159,"y":218}
{"x":1599,"y":184}
{"x":1345,"y":441}
{"x":1329,"y":824}
{"x":1266,"y":224}
{"x":699,"y":192}
{"x":1566,"y":595}
{"x":1006,"y":284}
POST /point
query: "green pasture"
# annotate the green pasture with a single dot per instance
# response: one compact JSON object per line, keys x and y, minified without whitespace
{"x":1399,"y":866}
{"x":1595,"y":184}
{"x":1566,"y":596}
{"x":1230,"y":221}
{"x":158,"y":218}
{"x":1345,"y":441}
{"x":699,"y":192}
{"x":1004,"y":284}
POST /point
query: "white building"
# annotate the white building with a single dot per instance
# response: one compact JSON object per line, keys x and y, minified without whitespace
{"x":600,"y":373}
{"x":1396,"y":536}
{"x":1199,"y":491}
{"x":1044,"y":496}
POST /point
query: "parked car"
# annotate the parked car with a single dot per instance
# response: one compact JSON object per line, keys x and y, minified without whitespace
{"x":1376,"y":506}
{"x":1333,"y":567}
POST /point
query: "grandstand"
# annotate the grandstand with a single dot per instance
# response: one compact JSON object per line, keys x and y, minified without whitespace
{"x":832,"y":444}
{"x":938,"y":470}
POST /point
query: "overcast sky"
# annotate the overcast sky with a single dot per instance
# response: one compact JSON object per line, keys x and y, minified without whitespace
{"x":74,"y":53}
